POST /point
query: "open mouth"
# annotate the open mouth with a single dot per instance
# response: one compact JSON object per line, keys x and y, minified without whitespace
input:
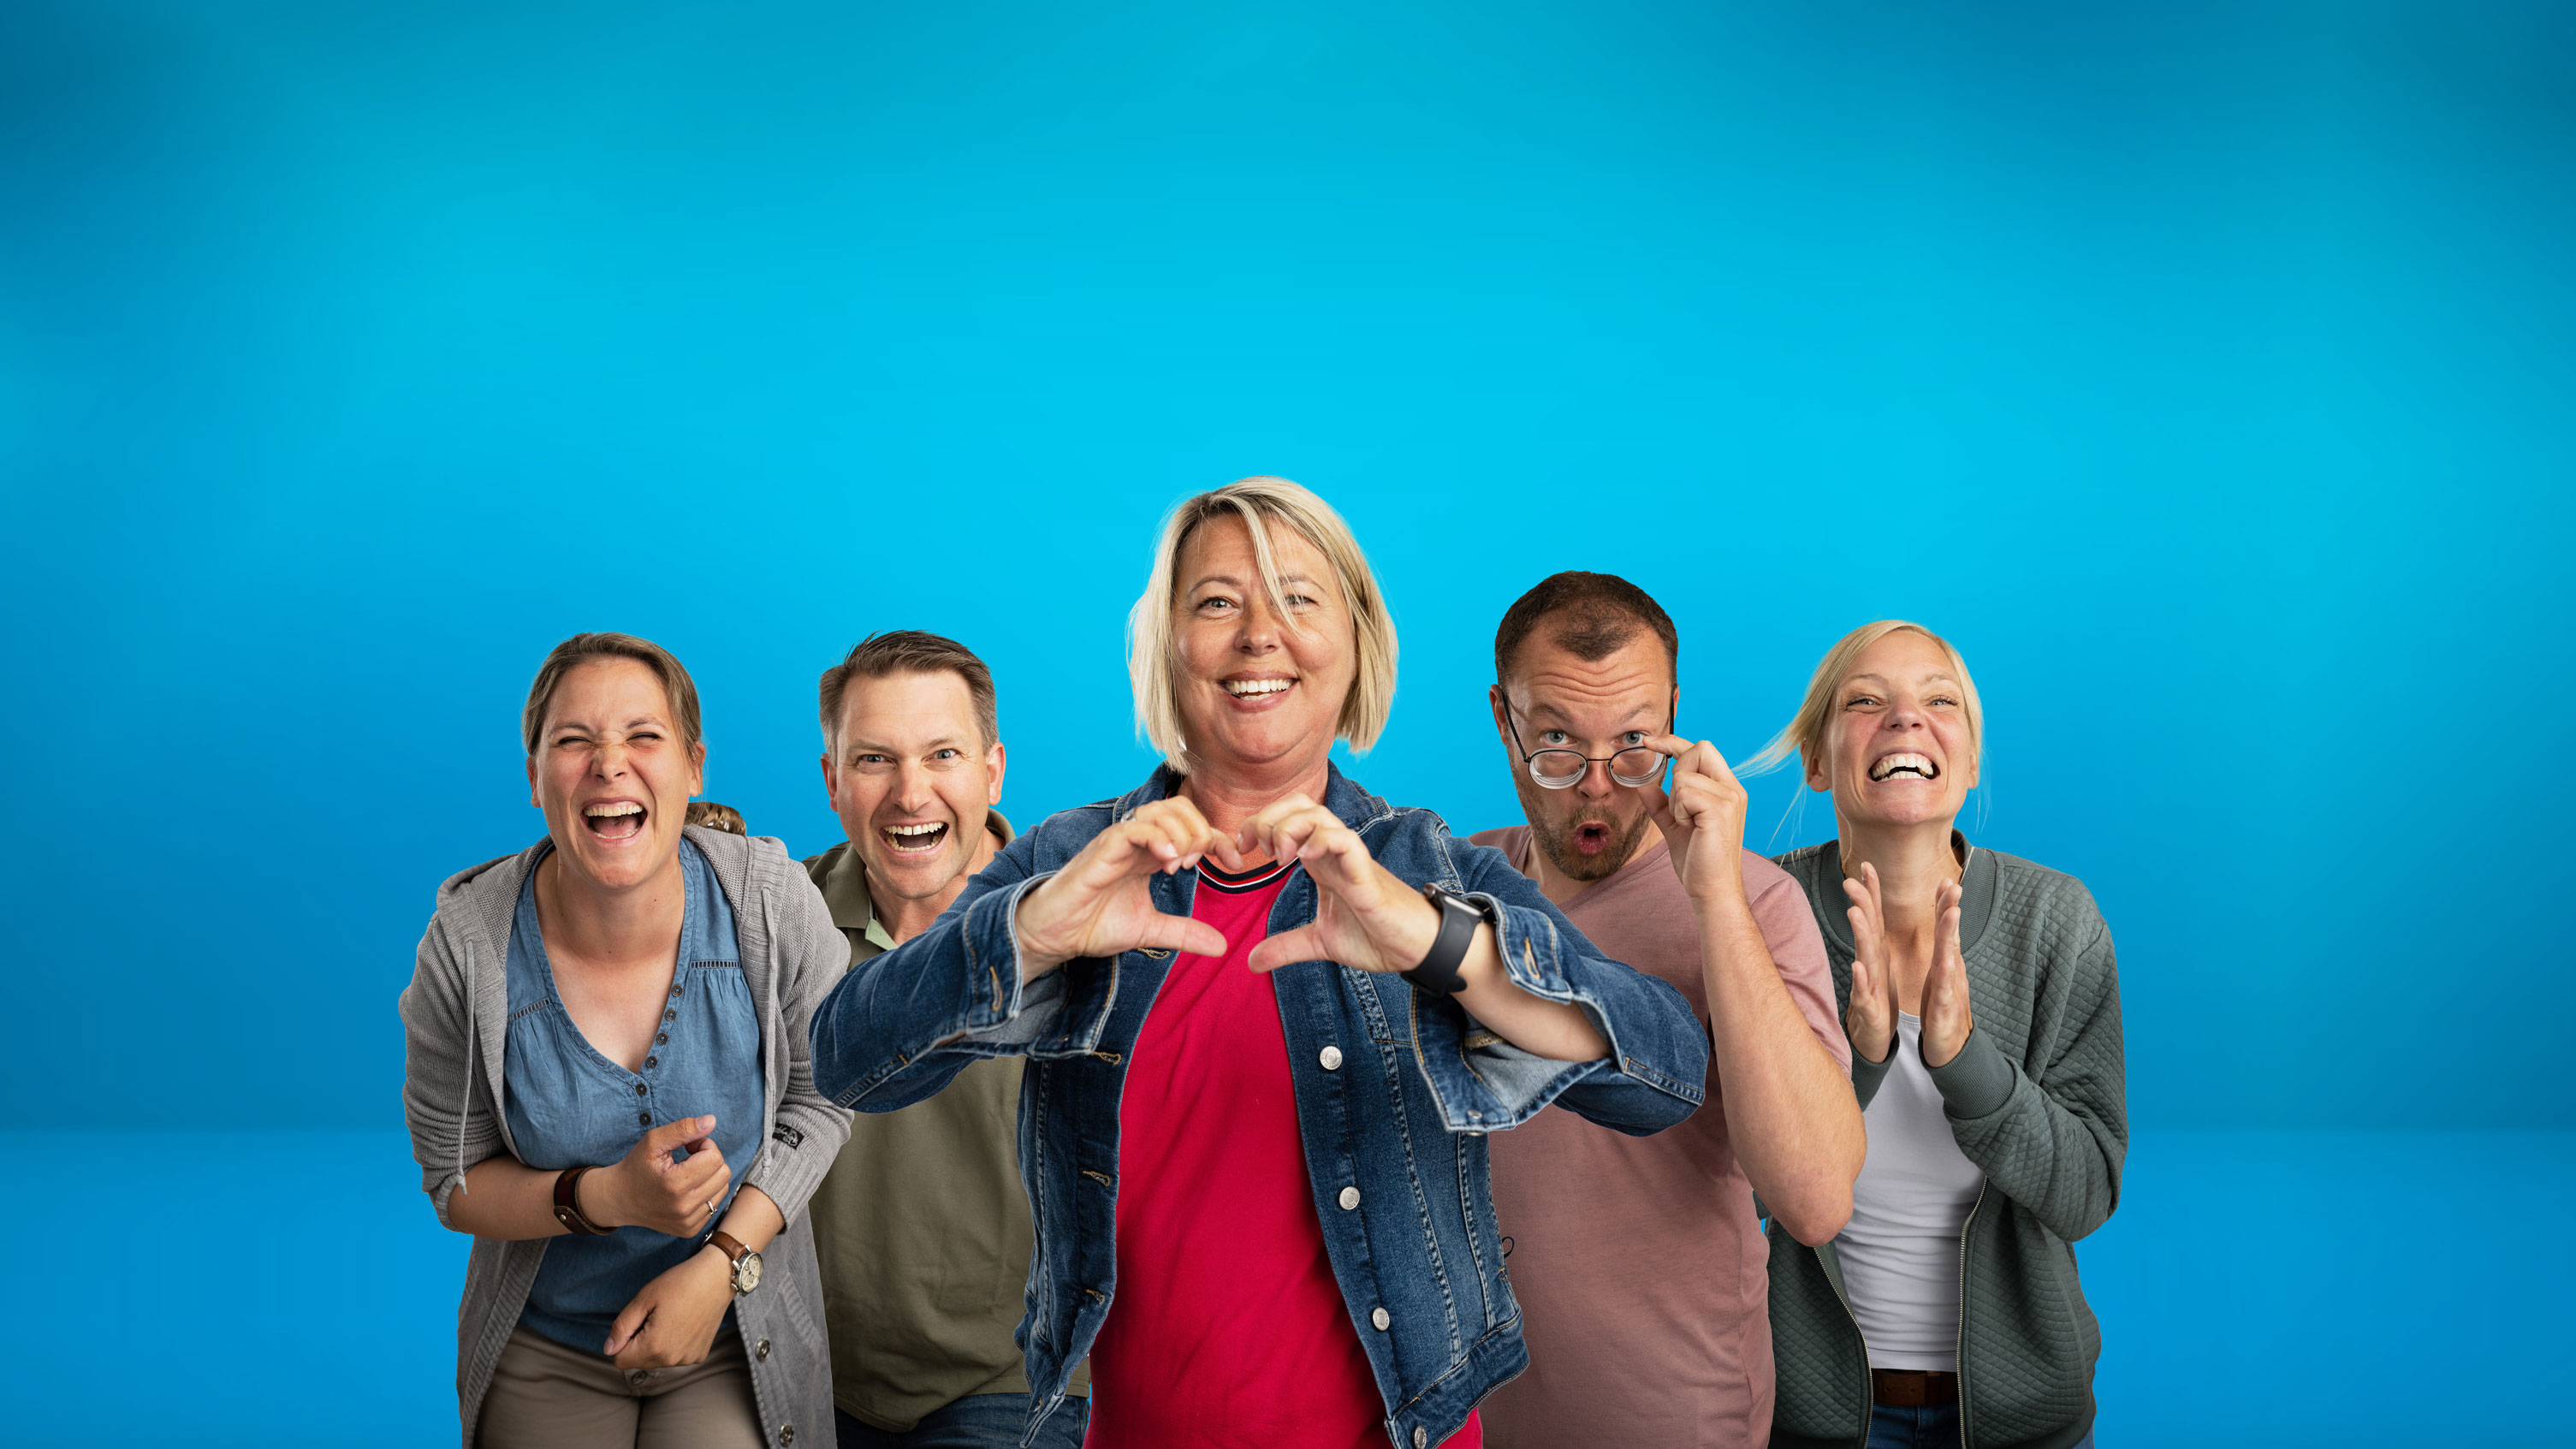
{"x":1592,"y":837}
{"x":914,"y":839}
{"x":614,"y":819}
{"x":1257,"y":691}
{"x":1905,"y":763}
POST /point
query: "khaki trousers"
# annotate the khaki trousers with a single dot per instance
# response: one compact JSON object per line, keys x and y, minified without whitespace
{"x":547,"y":1396}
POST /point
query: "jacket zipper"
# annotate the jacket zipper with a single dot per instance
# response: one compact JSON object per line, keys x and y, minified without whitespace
{"x":1964,"y":1226}
{"x":1868,"y":1395}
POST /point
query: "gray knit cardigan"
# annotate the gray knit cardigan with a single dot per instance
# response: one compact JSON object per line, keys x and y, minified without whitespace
{"x":455,"y":1026}
{"x":2037,"y":1100}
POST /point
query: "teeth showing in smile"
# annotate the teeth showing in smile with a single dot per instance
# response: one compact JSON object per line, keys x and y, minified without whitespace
{"x":1906,"y":763}
{"x":1255,"y":688}
{"x":613,"y":819}
{"x":911,"y":838}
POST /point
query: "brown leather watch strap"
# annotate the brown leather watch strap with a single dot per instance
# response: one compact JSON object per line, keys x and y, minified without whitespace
{"x":568,"y":1204}
{"x":727,"y":1244}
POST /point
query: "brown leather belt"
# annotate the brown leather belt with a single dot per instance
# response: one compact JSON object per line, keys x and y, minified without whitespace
{"x":1913,"y":1388}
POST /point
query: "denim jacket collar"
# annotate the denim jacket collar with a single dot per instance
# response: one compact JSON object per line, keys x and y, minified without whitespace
{"x":1350,"y":804}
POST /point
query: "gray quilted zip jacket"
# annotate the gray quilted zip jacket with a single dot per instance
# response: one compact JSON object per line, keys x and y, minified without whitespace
{"x":2037,"y":1099}
{"x":455,"y":1027}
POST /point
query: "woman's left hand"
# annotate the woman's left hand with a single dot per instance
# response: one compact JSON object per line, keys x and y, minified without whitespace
{"x":1946,"y":1018}
{"x":673,"y":1322}
{"x":1365,"y":915}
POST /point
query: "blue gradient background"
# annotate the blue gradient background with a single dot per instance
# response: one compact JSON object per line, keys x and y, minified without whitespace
{"x":2203,"y":370}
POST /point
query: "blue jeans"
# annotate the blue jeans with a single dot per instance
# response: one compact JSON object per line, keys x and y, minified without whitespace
{"x":977,"y":1421}
{"x":1927,"y":1428}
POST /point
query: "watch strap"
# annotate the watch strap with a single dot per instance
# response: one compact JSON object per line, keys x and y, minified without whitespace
{"x":568,"y":1205}
{"x":1459,"y":917}
{"x":734,"y":1251}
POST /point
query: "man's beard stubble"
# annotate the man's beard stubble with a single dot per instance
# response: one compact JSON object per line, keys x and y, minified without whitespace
{"x":1556,"y":839}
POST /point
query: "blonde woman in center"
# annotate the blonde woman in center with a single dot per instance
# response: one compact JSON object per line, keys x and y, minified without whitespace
{"x":1270,"y":1019}
{"x":1983,"y":1004}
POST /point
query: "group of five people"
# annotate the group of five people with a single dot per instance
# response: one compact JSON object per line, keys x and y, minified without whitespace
{"x":1211,"y":1114}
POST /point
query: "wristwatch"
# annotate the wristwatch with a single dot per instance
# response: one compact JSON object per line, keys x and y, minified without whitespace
{"x":1459,"y":918}
{"x":746,"y":1263}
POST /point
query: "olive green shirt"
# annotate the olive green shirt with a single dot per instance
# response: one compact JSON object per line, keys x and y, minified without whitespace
{"x":922,"y":1224}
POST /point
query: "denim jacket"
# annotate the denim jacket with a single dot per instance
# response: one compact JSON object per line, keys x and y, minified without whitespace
{"x":1394,"y":1093}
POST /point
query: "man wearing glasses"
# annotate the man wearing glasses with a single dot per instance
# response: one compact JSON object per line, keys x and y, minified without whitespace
{"x":1638,"y":1261}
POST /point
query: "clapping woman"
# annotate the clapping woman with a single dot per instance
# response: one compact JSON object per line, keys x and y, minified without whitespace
{"x":607,"y":1086}
{"x":1983,"y":1005}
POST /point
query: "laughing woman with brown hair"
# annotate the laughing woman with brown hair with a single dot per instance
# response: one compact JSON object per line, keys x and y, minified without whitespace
{"x":1983,"y":1005}
{"x":607,"y":1086}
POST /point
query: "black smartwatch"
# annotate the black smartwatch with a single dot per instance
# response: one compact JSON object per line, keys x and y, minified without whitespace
{"x":1459,"y":918}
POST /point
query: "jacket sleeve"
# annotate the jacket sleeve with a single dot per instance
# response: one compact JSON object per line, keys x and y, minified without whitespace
{"x":1656,"y":1072}
{"x":2055,"y":1146}
{"x":808,"y":1130}
{"x":450,"y":1130}
{"x":901,"y":1025}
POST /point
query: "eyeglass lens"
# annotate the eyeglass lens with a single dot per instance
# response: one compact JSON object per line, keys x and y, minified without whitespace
{"x":1558,"y":769}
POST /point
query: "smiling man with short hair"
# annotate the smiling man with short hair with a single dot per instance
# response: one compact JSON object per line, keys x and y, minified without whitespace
{"x":923,"y":1226}
{"x":1638,"y":1261}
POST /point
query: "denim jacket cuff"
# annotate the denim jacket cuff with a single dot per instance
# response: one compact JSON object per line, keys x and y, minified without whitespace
{"x":1002,"y":1006}
{"x":993,"y":958}
{"x":1482,"y":1082}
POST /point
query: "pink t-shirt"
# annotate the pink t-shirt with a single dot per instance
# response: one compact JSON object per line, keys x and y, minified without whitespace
{"x":1228,"y":1329}
{"x":1638,"y":1262}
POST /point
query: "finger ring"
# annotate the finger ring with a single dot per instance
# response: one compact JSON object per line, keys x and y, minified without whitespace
{"x":711,"y":1204}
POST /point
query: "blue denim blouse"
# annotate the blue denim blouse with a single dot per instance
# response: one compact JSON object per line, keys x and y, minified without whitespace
{"x":569,"y":1106}
{"x":1395,"y":1092}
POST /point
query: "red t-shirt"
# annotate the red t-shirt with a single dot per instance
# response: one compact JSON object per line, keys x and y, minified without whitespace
{"x":1228,"y":1329}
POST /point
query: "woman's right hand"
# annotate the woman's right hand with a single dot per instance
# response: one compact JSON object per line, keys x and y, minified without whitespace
{"x":1102,"y":902}
{"x":647,"y":1189}
{"x":1871,"y":1022}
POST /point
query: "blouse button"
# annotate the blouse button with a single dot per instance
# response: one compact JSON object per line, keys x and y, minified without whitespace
{"x":641,"y":1089}
{"x":652,"y":1061}
{"x":670,"y":1016}
{"x":1331,"y":1057}
{"x":643,"y":1119}
{"x":664,"y":1039}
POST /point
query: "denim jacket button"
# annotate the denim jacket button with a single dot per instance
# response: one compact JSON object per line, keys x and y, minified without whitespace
{"x":1331,"y":1057}
{"x":1350,"y":1198}
{"x":1419,"y":1435}
{"x":1378,"y":1319}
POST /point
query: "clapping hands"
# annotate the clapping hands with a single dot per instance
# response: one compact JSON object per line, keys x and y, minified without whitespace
{"x":1871,"y":1021}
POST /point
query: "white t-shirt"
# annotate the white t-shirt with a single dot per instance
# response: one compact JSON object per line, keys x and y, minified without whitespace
{"x":1900,"y":1251}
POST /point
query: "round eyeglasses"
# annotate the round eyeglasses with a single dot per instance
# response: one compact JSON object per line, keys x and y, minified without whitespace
{"x":1559,"y":769}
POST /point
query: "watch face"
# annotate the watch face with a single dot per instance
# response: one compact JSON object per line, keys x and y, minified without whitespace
{"x":746,"y":1274}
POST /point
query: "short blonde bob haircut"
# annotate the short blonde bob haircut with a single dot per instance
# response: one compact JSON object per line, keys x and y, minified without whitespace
{"x":1262,"y":503}
{"x":1805,"y":735}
